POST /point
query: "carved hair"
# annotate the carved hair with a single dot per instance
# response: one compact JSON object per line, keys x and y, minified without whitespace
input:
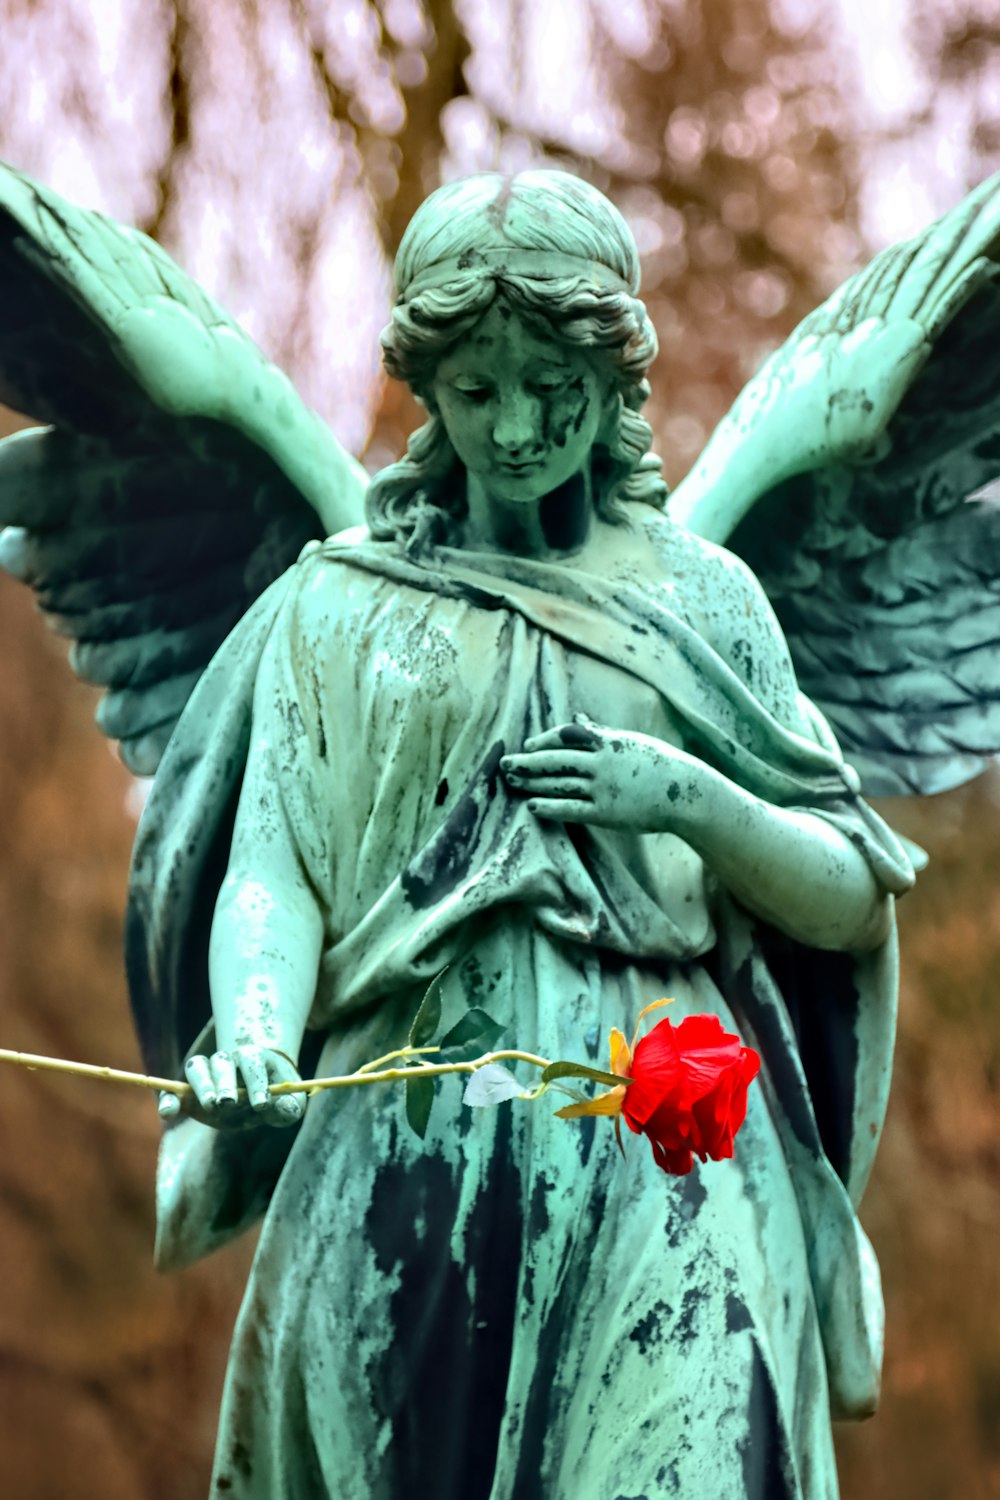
{"x":488,"y":237}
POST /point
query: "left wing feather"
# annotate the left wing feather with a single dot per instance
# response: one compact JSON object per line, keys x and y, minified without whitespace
{"x":179,"y":475}
{"x":884,"y":570}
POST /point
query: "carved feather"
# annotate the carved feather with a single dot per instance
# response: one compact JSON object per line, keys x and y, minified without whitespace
{"x":884,"y":572}
{"x":179,"y":476}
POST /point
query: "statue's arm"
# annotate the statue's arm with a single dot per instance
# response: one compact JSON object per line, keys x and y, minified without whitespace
{"x":790,"y":866}
{"x":268,"y":927}
{"x":267,"y":932}
{"x":793,"y":867}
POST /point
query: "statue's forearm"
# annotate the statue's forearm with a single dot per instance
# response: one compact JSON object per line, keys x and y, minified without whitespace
{"x":790,"y":866}
{"x":264,"y":956}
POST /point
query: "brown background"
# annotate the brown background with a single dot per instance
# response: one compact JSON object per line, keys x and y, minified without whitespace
{"x":110,"y":1376}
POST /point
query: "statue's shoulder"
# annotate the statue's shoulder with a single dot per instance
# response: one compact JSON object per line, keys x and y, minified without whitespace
{"x":712,"y":582}
{"x":325,"y":585}
{"x":720,"y":596}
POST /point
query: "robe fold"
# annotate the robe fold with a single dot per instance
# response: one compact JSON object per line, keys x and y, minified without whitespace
{"x":505,"y":1309}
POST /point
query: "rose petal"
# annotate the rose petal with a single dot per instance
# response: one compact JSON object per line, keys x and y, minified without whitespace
{"x":713,"y":1118}
{"x":749,"y":1064}
{"x":672,"y":1124}
{"x":656,"y":1075}
{"x":677,"y":1163}
{"x":688,"y":1093}
{"x":706,"y":1052}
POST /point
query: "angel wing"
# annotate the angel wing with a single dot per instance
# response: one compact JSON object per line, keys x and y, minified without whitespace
{"x":881,"y":556}
{"x":179,"y":473}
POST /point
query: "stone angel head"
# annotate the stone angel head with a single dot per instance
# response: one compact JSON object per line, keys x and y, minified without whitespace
{"x":543,"y":261}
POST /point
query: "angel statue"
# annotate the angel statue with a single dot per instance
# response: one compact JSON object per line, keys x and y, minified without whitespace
{"x":507,"y":712}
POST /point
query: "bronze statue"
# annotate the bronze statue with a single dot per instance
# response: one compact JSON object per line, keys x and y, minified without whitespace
{"x":510,"y":713}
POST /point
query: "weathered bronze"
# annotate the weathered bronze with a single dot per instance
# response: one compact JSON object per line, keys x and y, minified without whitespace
{"x":507,"y":712}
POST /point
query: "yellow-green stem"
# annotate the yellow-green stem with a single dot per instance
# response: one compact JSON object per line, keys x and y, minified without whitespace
{"x":34,"y":1062}
{"x":423,"y":1070}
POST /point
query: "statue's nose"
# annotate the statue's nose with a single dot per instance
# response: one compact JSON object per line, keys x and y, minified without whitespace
{"x":514,"y":429}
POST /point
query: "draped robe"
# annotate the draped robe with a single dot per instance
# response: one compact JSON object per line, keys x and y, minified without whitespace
{"x":506,"y":1309}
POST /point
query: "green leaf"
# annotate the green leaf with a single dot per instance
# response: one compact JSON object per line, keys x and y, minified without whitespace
{"x":579,"y":1070}
{"x":474,"y":1033}
{"x":419,"y":1099}
{"x":428,"y":1017}
{"x":491,"y":1085}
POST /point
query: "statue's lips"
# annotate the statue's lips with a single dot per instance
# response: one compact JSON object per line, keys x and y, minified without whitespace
{"x":520,"y":468}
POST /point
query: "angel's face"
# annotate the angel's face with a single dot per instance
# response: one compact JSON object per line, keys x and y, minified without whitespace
{"x":522,"y":412}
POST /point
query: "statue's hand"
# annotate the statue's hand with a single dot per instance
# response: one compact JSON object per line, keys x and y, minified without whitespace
{"x":584,"y":773}
{"x":216,"y":1080}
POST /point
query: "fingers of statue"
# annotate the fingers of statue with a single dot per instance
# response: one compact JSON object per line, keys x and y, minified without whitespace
{"x":554,"y":782}
{"x":261,"y":1067}
{"x":558,"y":771}
{"x":564,"y":809}
{"x":255,"y":1075}
{"x":169,"y":1107}
{"x":577,"y":787}
{"x":581,"y":735}
{"x":224,"y":1075}
{"x":198,"y":1072}
{"x":534,"y":763}
{"x":627,"y":780}
{"x":216,"y":1083}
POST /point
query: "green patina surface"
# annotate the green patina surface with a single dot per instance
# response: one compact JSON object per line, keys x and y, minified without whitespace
{"x":526,"y":722}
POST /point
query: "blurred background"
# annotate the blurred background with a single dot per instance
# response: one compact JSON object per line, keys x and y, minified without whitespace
{"x":761,"y":150}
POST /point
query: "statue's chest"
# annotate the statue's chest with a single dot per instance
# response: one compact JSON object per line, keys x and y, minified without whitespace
{"x":444,"y":668}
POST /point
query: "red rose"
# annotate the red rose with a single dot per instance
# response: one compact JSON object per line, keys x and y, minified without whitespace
{"x":687,"y":1089}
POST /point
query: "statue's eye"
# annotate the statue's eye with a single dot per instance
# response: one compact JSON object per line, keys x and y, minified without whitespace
{"x":475,"y":393}
{"x":550,"y":385}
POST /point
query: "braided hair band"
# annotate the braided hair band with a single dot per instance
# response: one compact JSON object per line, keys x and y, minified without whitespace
{"x":541,"y":265}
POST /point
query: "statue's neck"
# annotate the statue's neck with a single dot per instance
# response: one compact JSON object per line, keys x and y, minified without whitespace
{"x":556,"y":525}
